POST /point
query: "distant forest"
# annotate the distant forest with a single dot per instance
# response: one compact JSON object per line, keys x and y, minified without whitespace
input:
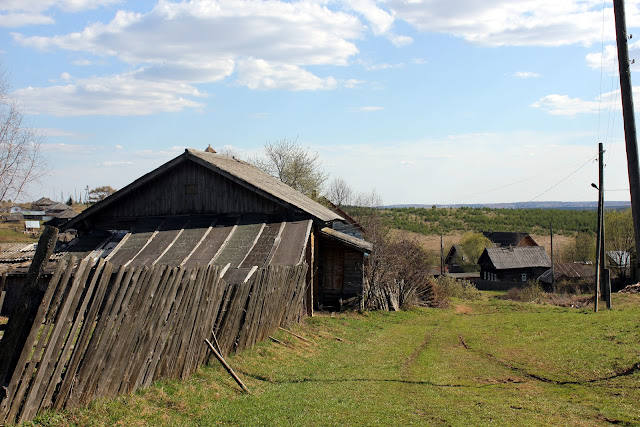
{"x":445,"y":220}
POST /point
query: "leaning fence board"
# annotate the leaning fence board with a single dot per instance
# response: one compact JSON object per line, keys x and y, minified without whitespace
{"x":100,"y":331}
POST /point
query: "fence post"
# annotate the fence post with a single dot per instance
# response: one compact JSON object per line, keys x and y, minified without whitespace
{"x":21,"y":320}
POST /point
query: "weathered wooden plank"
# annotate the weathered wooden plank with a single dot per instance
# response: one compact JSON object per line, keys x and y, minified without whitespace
{"x":79,"y":319}
{"x":14,"y":396}
{"x":87,"y":329}
{"x":52,"y":350}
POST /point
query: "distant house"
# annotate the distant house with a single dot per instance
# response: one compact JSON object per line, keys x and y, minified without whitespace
{"x":455,"y":260}
{"x":350,"y":226}
{"x":508,"y":238}
{"x":579,"y":276}
{"x":513,"y":264}
{"x":619,"y":262}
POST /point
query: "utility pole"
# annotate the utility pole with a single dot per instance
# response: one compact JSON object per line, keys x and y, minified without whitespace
{"x":441,"y":255}
{"x":629,"y":120}
{"x":599,"y":232}
{"x":553,"y":274}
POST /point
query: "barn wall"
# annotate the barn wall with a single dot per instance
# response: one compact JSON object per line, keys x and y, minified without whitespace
{"x":188,"y":188}
{"x":340,"y":273}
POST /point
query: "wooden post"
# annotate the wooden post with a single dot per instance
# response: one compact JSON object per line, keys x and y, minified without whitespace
{"x":607,"y":286}
{"x":599,"y":243}
{"x":441,"y":255}
{"x":227,"y":367}
{"x":553,"y":278}
{"x":22,"y":318}
{"x":628,"y":114}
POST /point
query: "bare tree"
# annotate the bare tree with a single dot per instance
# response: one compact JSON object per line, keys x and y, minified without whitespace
{"x":21,"y":161}
{"x":339,"y":192}
{"x":100,"y":193}
{"x":294,"y":165}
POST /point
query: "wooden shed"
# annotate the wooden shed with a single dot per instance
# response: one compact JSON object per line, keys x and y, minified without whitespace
{"x":207,"y":208}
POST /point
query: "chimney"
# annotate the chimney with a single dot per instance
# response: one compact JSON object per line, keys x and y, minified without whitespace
{"x":210,"y":149}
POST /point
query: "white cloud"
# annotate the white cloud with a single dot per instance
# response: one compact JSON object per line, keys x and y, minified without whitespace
{"x":119,"y":95}
{"x":564,"y":105}
{"x":526,"y":74}
{"x":259,"y":74}
{"x":370,"y":108}
{"x":52,"y":132}
{"x":19,"y":13}
{"x":15,"y":20}
{"x":513,"y":23}
{"x":117,"y":163}
{"x":118,"y":147}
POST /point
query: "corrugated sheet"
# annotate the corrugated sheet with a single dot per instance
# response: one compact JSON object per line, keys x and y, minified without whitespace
{"x":518,"y":257}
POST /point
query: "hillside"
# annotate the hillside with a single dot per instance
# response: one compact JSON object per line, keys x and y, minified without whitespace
{"x":434,"y":221}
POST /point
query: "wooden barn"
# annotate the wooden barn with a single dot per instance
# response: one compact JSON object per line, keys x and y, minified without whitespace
{"x":204,"y":208}
{"x":509,"y":238}
{"x":513,"y":264}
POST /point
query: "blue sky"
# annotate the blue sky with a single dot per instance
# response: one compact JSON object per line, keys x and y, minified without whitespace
{"x":425,"y":101}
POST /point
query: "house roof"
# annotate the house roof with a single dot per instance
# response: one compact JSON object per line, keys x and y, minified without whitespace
{"x":354,"y":242}
{"x":238,"y":171}
{"x":505,"y":258}
{"x":43,"y":202}
{"x":505,"y":238}
{"x":568,"y":270}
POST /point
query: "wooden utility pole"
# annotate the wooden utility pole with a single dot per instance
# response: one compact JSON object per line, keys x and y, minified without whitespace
{"x":553,"y":274}
{"x":629,"y":120}
{"x":441,"y":255}
{"x":599,"y":240}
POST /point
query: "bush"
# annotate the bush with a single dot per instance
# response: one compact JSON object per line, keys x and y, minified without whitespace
{"x":529,"y":293}
{"x":447,"y":287}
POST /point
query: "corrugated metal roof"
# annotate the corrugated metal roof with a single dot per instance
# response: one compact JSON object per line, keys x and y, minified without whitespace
{"x":354,"y":242}
{"x":517,"y":257}
{"x":258,"y":179}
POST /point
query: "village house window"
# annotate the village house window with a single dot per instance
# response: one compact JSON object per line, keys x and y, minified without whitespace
{"x":524,"y":277}
{"x":191,"y":189}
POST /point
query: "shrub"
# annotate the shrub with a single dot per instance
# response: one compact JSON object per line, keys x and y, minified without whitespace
{"x":447,"y":287}
{"x":529,"y":293}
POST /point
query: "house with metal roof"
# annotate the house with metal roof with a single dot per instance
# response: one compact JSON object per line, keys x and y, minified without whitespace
{"x":207,"y":208}
{"x":513,"y":264}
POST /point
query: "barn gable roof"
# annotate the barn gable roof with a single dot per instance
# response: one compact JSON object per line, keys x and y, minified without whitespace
{"x":508,"y":238}
{"x":505,"y":258}
{"x":240,"y":172}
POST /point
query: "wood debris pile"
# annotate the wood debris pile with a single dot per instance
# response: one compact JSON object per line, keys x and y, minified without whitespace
{"x":631,"y":289}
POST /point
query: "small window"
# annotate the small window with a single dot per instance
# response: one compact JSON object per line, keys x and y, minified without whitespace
{"x":191,"y":189}
{"x":524,"y":277}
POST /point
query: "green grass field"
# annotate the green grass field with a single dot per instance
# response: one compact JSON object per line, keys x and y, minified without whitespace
{"x":488,"y":361}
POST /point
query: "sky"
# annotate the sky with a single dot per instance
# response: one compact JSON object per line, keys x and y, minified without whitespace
{"x":423,"y":101}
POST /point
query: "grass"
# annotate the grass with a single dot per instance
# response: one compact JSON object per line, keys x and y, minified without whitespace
{"x":482,"y":361}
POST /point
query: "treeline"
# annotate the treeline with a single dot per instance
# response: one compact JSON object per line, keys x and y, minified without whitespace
{"x":445,"y":220}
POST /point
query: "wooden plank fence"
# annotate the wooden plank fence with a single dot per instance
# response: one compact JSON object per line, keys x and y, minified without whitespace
{"x":101,"y":331}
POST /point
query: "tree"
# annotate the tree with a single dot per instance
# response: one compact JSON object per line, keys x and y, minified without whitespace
{"x":100,"y":193}
{"x":339,"y":192}
{"x":472,"y":245}
{"x":619,"y":238}
{"x":21,"y":159}
{"x":294,"y":165}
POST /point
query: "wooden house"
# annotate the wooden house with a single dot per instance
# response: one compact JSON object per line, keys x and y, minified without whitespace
{"x":572,"y":276}
{"x":455,"y":260}
{"x":513,"y":264}
{"x":508,"y":238}
{"x":207,"y":208}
